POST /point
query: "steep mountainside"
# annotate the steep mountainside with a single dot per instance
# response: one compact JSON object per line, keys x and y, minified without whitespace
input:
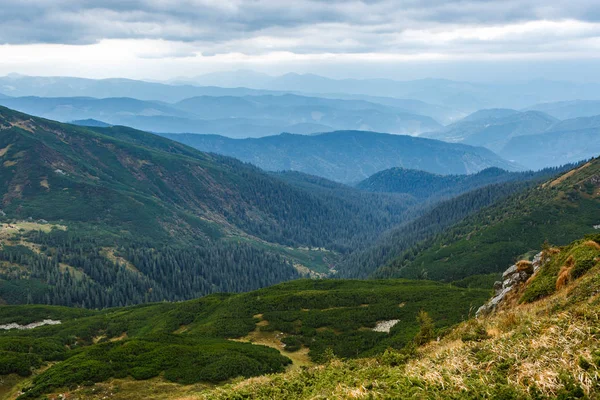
{"x":185,"y":342}
{"x":494,"y":128}
{"x":558,"y":211}
{"x":127,"y":209}
{"x":349,"y":156}
{"x":435,"y":219}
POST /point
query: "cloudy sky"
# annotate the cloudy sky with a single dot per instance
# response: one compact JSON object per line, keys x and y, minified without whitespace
{"x":403,"y":39}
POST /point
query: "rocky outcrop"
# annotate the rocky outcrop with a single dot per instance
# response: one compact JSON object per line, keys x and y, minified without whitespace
{"x":512,"y":279}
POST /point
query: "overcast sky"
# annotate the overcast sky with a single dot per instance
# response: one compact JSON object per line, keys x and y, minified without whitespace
{"x":402,"y":39}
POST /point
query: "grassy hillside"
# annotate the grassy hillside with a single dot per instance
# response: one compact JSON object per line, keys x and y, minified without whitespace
{"x":138,"y":218}
{"x":541,"y":348}
{"x":557,"y":211}
{"x":349,"y":156}
{"x":547,"y":349}
{"x":186,"y":342}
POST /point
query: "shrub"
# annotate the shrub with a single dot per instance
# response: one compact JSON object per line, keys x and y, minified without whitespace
{"x":292,"y":343}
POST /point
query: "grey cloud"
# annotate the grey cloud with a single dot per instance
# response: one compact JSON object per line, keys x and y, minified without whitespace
{"x":334,"y":26}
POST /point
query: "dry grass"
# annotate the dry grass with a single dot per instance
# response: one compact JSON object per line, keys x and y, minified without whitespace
{"x":5,"y":150}
{"x":592,"y":244}
{"x":564,"y":275}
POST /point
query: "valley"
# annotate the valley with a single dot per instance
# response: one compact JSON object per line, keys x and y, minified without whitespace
{"x":262,"y":243}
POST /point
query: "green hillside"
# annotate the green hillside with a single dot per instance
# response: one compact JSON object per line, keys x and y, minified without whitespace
{"x":426,"y":186}
{"x":557,"y":211}
{"x":546,"y":349}
{"x":186,"y":342}
{"x":114,"y":216}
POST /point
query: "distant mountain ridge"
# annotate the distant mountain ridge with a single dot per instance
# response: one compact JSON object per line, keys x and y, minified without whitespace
{"x":424,"y":185}
{"x":467,"y":96}
{"x":234,"y":116}
{"x":569,"y":109}
{"x":91,"y":123}
{"x":494,"y":128}
{"x":349,"y":156}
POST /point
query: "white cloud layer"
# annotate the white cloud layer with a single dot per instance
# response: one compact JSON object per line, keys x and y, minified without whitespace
{"x":148,"y":37}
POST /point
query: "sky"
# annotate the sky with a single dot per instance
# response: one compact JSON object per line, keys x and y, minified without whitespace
{"x":482,"y":40}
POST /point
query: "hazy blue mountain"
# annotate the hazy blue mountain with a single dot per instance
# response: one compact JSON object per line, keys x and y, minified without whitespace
{"x":91,"y":123}
{"x":349,"y":156}
{"x":111,"y":110}
{"x":244,"y":116}
{"x":566,"y":141}
{"x":3,"y":96}
{"x":574,"y":124}
{"x":490,"y":113}
{"x":463,"y":96}
{"x":494,"y":128}
{"x":22,"y":85}
{"x":443,"y":114}
{"x":292,"y":109}
{"x":459,"y":95}
{"x":569,"y":109}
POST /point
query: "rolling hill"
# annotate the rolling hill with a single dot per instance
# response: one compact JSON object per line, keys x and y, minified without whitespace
{"x":186,"y":342}
{"x":349,"y":156}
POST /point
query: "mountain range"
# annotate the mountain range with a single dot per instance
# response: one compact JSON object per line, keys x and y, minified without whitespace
{"x":569,"y":109}
{"x":242,"y":116}
{"x":530,"y":138}
{"x":349,"y":156}
{"x":117,"y":246}
{"x":124,"y":193}
{"x":494,"y":128}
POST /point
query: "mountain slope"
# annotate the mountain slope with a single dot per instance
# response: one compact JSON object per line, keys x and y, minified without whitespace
{"x":557,"y":211}
{"x":185,"y":342}
{"x":424,"y":185}
{"x":436,"y":218}
{"x":546,"y":349}
{"x":494,"y":128}
{"x":136,"y":217}
{"x":349,"y":156}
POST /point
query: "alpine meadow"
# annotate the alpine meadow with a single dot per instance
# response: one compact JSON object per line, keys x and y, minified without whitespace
{"x":339,"y":199}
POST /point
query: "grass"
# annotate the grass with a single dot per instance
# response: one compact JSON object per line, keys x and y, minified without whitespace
{"x":189,"y":342}
{"x":549,"y":348}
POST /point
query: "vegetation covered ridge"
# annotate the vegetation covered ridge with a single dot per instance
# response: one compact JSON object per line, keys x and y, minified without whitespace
{"x":187,"y":342}
{"x":536,"y":347}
